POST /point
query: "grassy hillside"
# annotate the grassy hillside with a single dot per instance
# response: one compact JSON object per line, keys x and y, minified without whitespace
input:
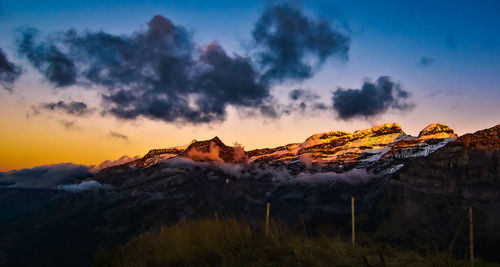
{"x":229,"y":242}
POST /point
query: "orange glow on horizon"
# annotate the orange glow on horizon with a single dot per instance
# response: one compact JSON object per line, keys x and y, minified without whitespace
{"x":42,"y":139}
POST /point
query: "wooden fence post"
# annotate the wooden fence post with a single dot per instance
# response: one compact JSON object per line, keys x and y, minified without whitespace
{"x":353,"y":225}
{"x":267,"y":218}
{"x":471,"y":237}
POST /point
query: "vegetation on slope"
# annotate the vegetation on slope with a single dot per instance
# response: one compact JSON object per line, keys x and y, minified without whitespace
{"x":229,"y":242}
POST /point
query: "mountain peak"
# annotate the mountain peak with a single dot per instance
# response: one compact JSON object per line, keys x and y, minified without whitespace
{"x":214,"y":150}
{"x":436,"y":131}
{"x":205,"y":145}
{"x":487,"y":138}
{"x":386,"y":128}
{"x":216,"y":139}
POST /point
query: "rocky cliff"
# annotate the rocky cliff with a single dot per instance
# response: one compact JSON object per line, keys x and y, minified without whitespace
{"x":468,"y":166}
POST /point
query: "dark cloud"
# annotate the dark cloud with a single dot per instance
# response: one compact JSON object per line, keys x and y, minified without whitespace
{"x":230,"y":80}
{"x":9,"y":72}
{"x":72,"y":108}
{"x":158,"y":72}
{"x":304,"y":101}
{"x":371,"y":100}
{"x":47,"y":58}
{"x":295,"y":94}
{"x":302,"y":94}
{"x":118,"y":136}
{"x":320,"y":106}
{"x":292,"y":45}
{"x":425,"y":61}
{"x":45,"y":177}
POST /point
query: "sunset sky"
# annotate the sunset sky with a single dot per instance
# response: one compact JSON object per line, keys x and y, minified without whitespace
{"x":244,"y":73}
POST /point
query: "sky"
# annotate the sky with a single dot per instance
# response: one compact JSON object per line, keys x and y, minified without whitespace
{"x":88,"y":81}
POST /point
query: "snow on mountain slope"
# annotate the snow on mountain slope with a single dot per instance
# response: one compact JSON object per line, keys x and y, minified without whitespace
{"x":379,"y":148}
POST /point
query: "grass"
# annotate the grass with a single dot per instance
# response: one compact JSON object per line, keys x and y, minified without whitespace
{"x":230,"y":242}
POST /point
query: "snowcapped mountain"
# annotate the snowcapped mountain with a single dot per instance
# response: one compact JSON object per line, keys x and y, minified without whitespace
{"x":380,"y":148}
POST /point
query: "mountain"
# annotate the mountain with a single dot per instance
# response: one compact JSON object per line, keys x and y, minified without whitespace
{"x":380,"y":148}
{"x":436,"y":131}
{"x":469,"y":166}
{"x":410,"y":191}
{"x":200,"y":151}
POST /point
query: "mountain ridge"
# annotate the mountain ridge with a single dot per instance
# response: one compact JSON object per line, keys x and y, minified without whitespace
{"x":330,"y":148}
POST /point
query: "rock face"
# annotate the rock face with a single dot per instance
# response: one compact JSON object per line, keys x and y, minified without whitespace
{"x":268,"y":151}
{"x":334,"y":148}
{"x":468,"y":166}
{"x":214,"y":150}
{"x":382,"y":149}
{"x":200,"y":151}
{"x":154,"y":156}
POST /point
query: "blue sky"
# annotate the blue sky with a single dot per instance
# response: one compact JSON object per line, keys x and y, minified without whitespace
{"x":462,"y":37}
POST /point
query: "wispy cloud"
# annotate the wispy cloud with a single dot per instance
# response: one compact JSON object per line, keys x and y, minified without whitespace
{"x":119,"y":136}
{"x":70,"y":125}
{"x":72,"y":108}
{"x":9,"y":72}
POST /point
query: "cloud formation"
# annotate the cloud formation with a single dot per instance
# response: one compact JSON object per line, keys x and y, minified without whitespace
{"x":158,"y":73}
{"x":278,"y":174}
{"x":371,"y":100}
{"x":292,"y":45}
{"x":302,"y":94}
{"x":72,"y":108}
{"x":48,"y":59}
{"x":116,"y":135}
{"x":304,"y":101}
{"x":45,"y":177}
{"x":69,"y":125}
{"x":90,"y":185}
{"x":9,"y":72}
